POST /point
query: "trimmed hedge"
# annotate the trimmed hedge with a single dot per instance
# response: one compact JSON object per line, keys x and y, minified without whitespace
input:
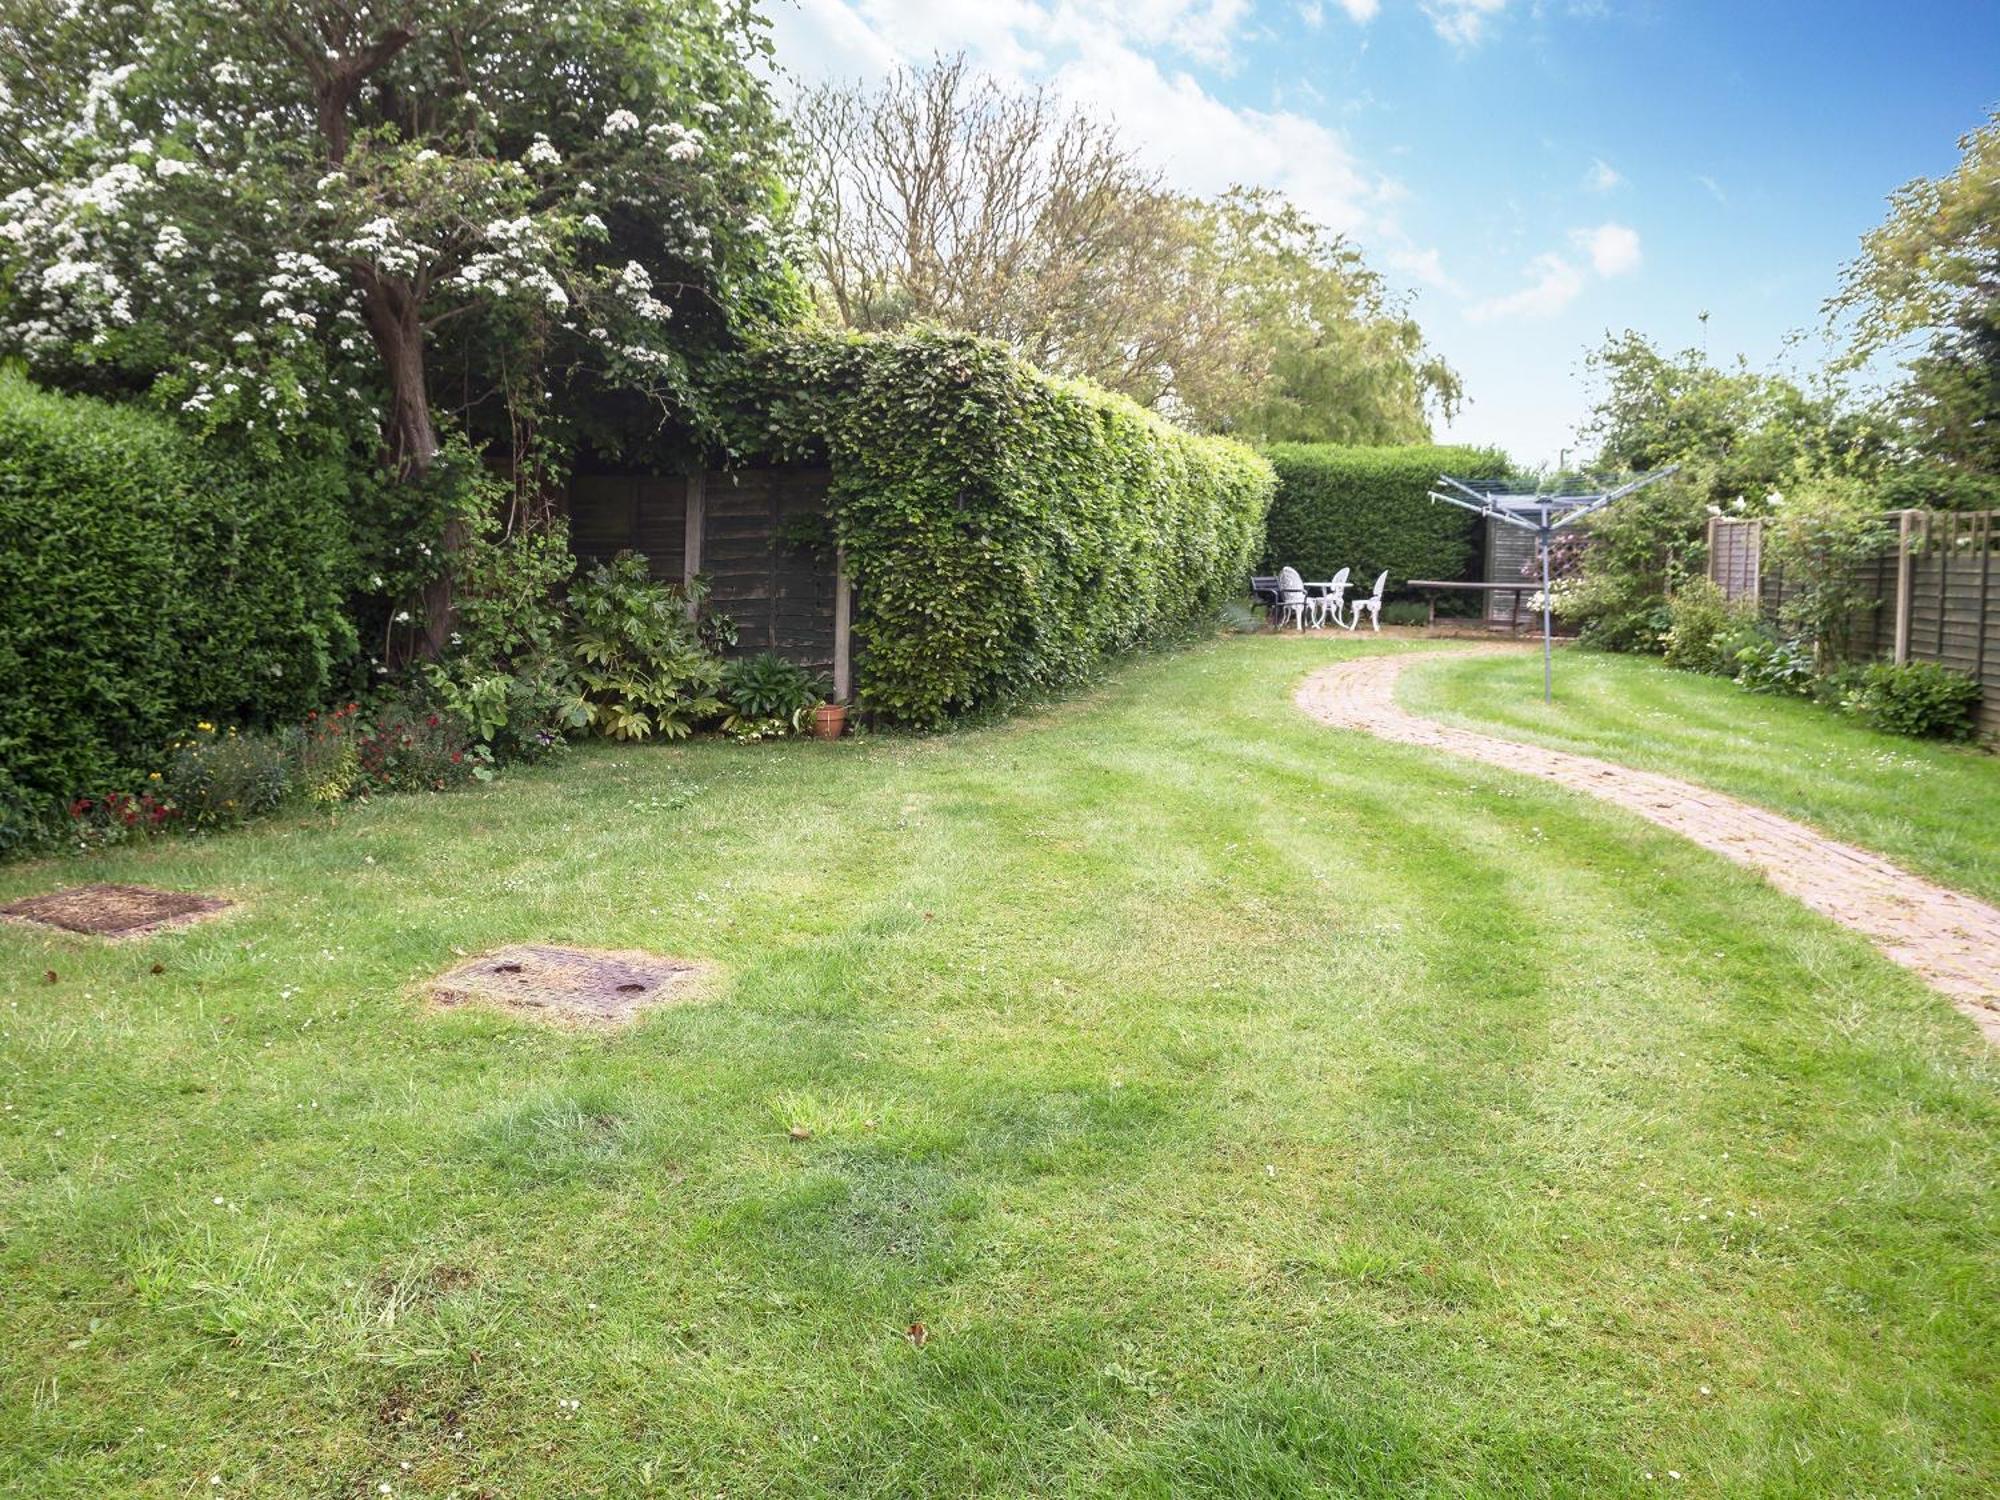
{"x":1365,"y":509}
{"x":1005,"y":530}
{"x":146,"y":583}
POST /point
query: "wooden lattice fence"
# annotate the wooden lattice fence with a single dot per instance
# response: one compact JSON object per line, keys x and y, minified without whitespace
{"x":1936,"y":590}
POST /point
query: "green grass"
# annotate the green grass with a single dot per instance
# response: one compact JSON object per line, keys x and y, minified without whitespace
{"x":1934,"y":807}
{"x":1246,"y":1109}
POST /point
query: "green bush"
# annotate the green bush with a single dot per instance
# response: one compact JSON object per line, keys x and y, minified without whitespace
{"x":147,"y":581}
{"x":1006,"y":530}
{"x":768,"y":697}
{"x":218,"y":778}
{"x":1919,"y":698}
{"x":1766,"y":663}
{"x":1366,"y":509}
{"x":643,"y":669}
{"x":1704,"y":630}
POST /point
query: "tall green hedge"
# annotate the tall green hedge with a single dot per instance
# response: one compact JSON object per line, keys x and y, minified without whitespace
{"x":1005,"y":529}
{"x":146,"y":583}
{"x":1365,"y":509}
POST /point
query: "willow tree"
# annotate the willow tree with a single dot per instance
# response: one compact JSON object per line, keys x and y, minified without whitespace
{"x":386,"y":216}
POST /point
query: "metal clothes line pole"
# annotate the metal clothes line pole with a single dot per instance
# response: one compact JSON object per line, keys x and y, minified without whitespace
{"x":1548,"y":625}
{"x":1514,"y":509}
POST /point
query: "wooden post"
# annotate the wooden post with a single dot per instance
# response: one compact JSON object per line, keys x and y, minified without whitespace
{"x":1903,"y":587}
{"x":843,"y":664}
{"x":697,"y":510}
{"x":1983,"y":539}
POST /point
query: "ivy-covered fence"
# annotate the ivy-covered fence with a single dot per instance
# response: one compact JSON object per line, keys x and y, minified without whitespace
{"x":1366,"y":509}
{"x":1005,"y":530}
{"x":145,"y":584}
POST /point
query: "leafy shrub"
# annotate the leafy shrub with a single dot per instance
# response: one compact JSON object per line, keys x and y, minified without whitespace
{"x":1769,"y":664}
{"x":326,"y":758}
{"x":219,"y":778}
{"x":1006,"y":530}
{"x":1704,"y":630}
{"x":148,"y":580}
{"x":1405,"y":612}
{"x":642,"y":668}
{"x":407,"y":745}
{"x":1820,"y":539}
{"x":1366,"y":509}
{"x":768,"y":696}
{"x":1632,"y":558}
{"x":1920,"y":698}
{"x":504,"y":674}
{"x":118,"y":816}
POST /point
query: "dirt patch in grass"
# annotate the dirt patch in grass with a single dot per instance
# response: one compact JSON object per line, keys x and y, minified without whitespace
{"x":114,"y":911}
{"x":577,"y":985}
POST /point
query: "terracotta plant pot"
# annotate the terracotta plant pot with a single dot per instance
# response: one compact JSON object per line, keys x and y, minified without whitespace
{"x":829,"y":721}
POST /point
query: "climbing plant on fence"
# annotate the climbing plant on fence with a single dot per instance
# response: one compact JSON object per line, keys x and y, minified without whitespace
{"x":147,"y":582}
{"x":1005,"y":529}
{"x":1365,"y":509}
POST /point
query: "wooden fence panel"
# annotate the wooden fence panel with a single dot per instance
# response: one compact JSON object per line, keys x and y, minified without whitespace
{"x":780,"y":595}
{"x":1735,"y":553}
{"x":1937,"y":588}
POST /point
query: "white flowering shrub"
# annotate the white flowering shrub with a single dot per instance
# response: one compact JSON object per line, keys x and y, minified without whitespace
{"x":380,"y":219}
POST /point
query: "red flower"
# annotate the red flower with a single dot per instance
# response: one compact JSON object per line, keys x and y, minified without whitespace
{"x":432,"y":721}
{"x":456,"y":757}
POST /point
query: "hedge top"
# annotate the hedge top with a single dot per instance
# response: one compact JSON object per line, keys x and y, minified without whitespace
{"x":1368,"y":509}
{"x":1006,"y":529}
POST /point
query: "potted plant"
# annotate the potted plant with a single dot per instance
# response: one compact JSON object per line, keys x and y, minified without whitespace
{"x":829,"y":721}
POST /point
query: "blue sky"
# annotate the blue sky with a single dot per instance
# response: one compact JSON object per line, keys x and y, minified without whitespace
{"x":1535,"y":171}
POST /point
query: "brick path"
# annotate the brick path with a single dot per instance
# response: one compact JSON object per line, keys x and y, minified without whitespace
{"x":1952,"y":940}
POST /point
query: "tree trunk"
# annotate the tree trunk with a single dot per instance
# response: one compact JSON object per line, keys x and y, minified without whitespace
{"x":410,"y":442}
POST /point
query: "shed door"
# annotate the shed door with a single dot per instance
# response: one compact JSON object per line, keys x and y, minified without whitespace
{"x":645,"y":513}
{"x":780,"y":594}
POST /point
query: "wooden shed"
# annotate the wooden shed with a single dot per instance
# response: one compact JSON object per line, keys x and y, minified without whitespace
{"x":1509,"y":554}
{"x":741,"y":528}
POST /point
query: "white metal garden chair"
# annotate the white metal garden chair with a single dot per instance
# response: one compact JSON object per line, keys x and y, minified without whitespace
{"x":1326,"y":604}
{"x":1372,"y":605}
{"x":1292,"y":601}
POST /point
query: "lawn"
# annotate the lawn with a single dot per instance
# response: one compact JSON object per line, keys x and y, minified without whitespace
{"x":1934,"y":807}
{"x":1242,"y":1108}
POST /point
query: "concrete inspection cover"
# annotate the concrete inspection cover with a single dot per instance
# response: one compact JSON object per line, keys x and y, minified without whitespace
{"x":569,"y":984}
{"x":114,"y":910}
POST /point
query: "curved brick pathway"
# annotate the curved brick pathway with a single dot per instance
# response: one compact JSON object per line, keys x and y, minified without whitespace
{"x":1952,"y":940}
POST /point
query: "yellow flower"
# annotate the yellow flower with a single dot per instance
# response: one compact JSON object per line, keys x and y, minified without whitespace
{"x":155,"y":776}
{"x":205,"y":727}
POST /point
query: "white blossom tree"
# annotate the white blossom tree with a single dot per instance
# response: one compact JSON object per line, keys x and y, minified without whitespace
{"x":281,"y":215}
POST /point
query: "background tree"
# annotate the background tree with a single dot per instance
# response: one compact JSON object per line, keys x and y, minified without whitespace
{"x":1926,"y":289}
{"x":942,"y":197}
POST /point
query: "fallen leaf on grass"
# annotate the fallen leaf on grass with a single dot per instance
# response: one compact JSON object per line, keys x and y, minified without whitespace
{"x":917,"y":1334}
{"x":48,"y":976}
{"x":801,"y":1133}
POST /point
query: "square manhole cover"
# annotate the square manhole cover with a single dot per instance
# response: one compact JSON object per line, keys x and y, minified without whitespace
{"x":114,"y":910}
{"x":569,"y":984}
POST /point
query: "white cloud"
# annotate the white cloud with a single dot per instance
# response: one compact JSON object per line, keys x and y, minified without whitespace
{"x":1361,"y":11}
{"x":1204,"y":145}
{"x":1613,"y":248}
{"x":1425,"y":266}
{"x":1115,"y":59}
{"x":1313,"y":14}
{"x":1714,"y":187}
{"x":1462,"y":22}
{"x":1602,"y":176}
{"x":1556,"y":284}
{"x":1556,"y":280}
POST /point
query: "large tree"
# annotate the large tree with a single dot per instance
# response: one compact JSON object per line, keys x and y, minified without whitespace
{"x":1926,"y":288}
{"x":275,"y":215}
{"x":941,"y":196}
